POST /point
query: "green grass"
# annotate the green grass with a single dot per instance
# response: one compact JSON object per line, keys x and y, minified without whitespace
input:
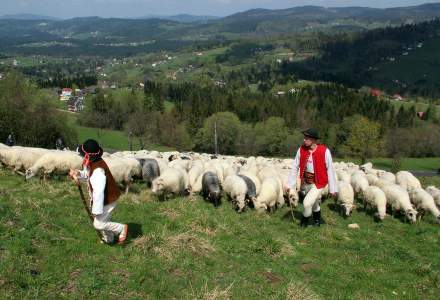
{"x":408,"y":163}
{"x":182,"y":249}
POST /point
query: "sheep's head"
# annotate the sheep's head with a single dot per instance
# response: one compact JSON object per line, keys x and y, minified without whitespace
{"x":29,"y":174}
{"x":347,"y":208}
{"x":158,"y":186}
{"x":411,"y":215}
{"x":293,"y":198}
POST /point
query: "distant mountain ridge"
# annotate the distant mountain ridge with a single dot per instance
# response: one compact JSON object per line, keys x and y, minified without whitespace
{"x":184,"y":18}
{"x":28,"y":17}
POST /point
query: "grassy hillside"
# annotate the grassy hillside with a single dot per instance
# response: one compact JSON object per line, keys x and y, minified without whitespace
{"x":186,"y":249}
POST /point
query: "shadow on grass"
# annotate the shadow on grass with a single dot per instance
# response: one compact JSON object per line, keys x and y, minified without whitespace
{"x":134,"y":231}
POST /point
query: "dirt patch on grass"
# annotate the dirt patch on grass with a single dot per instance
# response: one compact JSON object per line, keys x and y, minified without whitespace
{"x":186,"y":241}
{"x":217,"y":293}
{"x":72,"y":285}
{"x":300,"y":291}
{"x":271,"y":277}
{"x":167,"y":246}
{"x":170,"y":213}
{"x":196,"y":227}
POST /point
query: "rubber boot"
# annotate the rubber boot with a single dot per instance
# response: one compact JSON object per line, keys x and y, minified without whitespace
{"x":304,"y":221}
{"x":317,"y":218}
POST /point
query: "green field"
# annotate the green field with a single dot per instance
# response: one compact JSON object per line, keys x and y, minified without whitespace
{"x":408,"y":163}
{"x":187,"y":249}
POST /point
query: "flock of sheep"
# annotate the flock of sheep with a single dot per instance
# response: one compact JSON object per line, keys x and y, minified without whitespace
{"x":248,"y":182}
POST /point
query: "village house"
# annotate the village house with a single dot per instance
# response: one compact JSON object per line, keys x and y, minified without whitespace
{"x":66,"y":93}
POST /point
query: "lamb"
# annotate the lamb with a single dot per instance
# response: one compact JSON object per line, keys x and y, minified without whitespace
{"x":150,"y":171}
{"x":398,"y":200}
{"x":211,"y":188}
{"x":435,"y":193}
{"x":375,"y":197}
{"x":270,"y":194}
{"x":423,"y":201}
{"x":407,"y":180}
{"x":345,"y":198}
{"x":359,"y":183}
{"x":59,"y":161}
{"x":172,"y":181}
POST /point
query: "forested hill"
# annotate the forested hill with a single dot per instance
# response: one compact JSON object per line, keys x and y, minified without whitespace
{"x":398,"y":59}
{"x":82,"y":36}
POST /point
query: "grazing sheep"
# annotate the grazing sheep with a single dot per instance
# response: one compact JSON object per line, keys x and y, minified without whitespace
{"x":56,"y":161}
{"x":359,"y":183}
{"x":345,"y":198}
{"x":251,"y":190}
{"x":398,"y":200}
{"x":172,"y":181}
{"x":150,"y":171}
{"x":407,"y":180}
{"x":194,"y":173}
{"x":254,"y":180}
{"x":343,"y":176}
{"x":374,"y":197}
{"x":19,"y":158}
{"x":235,"y":187}
{"x":388,"y":176}
{"x":423,"y":202}
{"x":372,"y":179}
{"x":270,"y":194}
{"x":435,"y":193}
{"x":211,"y":188}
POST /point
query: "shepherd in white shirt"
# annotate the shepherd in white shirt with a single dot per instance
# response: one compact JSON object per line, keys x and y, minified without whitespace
{"x":103,"y":191}
{"x":314,"y":165}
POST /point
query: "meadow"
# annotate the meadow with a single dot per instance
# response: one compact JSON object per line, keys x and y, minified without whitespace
{"x":184,"y":248}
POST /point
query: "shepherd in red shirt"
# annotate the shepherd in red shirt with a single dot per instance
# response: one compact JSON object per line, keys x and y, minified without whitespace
{"x":313,"y":165}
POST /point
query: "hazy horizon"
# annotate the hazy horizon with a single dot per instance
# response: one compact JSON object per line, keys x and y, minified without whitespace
{"x":141,"y":8}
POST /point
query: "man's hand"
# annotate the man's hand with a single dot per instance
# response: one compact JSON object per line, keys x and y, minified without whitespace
{"x":74,"y":174}
{"x":334,"y":195}
{"x":286,"y":189}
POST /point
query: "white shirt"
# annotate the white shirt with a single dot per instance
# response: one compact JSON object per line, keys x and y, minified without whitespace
{"x":97,"y":181}
{"x":332,"y":186}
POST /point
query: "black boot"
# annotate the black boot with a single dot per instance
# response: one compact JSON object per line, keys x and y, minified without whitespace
{"x":304,"y":221}
{"x":317,"y":218}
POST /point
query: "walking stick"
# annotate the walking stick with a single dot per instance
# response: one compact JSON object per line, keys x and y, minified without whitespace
{"x":86,"y":206}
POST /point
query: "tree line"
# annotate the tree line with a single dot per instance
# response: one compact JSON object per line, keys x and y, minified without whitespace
{"x":186,"y":115}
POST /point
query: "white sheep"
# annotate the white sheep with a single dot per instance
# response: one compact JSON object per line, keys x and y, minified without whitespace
{"x":407,"y":180}
{"x":435,"y":193}
{"x":19,"y":158}
{"x":374,"y":197}
{"x":172,"y":181}
{"x":270,"y":193}
{"x":56,"y":161}
{"x":388,"y":176}
{"x":372,"y":179}
{"x":343,"y":176}
{"x":193,"y":174}
{"x":423,"y":202}
{"x":235,"y":187}
{"x":345,"y":197}
{"x":398,"y":200}
{"x":254,"y":179}
{"x":359,"y":183}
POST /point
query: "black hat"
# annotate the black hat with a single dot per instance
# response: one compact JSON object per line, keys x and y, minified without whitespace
{"x":91,"y":147}
{"x":312,"y":133}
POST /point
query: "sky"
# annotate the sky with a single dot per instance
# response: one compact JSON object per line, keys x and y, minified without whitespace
{"x":137,"y":8}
